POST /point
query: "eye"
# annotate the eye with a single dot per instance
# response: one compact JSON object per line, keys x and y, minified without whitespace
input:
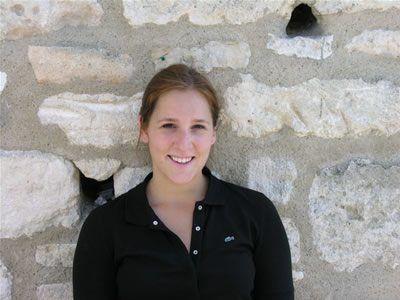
{"x":169,"y":125}
{"x":199,"y":126}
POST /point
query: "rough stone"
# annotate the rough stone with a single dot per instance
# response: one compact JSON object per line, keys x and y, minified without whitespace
{"x":294,"y":239}
{"x":376,"y":42}
{"x":309,"y":47}
{"x":21,"y":18}
{"x":274,"y":178}
{"x":323,"y":108}
{"x":99,"y":169}
{"x":102,"y":120}
{"x":127,"y":178}
{"x":38,"y":190}
{"x":214,"y":54}
{"x":55,"y":291}
{"x":354,"y":211}
{"x":3,"y":81}
{"x":53,"y":255}
{"x":5,"y":282}
{"x":62,"y":65}
{"x":297,"y":275}
{"x":140,"y":12}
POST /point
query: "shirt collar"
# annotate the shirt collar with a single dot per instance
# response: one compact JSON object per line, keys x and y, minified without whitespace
{"x":138,"y":210}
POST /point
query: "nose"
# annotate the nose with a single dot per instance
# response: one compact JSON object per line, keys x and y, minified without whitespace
{"x":184,"y":140}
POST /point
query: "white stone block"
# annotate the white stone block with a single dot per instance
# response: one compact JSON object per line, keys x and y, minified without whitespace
{"x":5,"y":282}
{"x":102,"y":120}
{"x":3,"y":81}
{"x":38,"y":190}
{"x":62,"y":65}
{"x":24,"y":18}
{"x":376,"y":42}
{"x":308,"y":47}
{"x":128,"y":178}
{"x":54,"y":255}
{"x":235,"y":55}
{"x":354,"y":211}
{"x":99,"y":169}
{"x":274,"y":178}
{"x":323,"y":108}
{"x":55,"y":291}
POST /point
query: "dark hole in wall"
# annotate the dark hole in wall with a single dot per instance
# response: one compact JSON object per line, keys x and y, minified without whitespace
{"x":302,"y":21}
{"x":98,"y":192}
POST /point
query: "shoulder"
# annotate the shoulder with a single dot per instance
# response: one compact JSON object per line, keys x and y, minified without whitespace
{"x":249,"y":198}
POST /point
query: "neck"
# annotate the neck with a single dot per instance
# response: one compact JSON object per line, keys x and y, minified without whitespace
{"x":161,"y":191}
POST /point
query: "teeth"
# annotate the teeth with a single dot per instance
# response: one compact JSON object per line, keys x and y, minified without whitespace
{"x":181,"y":160}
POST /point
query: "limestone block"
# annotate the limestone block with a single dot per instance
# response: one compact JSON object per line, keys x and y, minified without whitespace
{"x":38,"y":190}
{"x":53,"y":255}
{"x":376,"y":42}
{"x":23,"y":18}
{"x":5,"y":282}
{"x":99,"y":169}
{"x":62,"y":65}
{"x":274,"y":178}
{"x":55,"y":291}
{"x":102,"y":120}
{"x":3,"y":81}
{"x":214,"y":54}
{"x":354,"y":211}
{"x":323,"y":108}
{"x":127,"y":178}
{"x":200,"y":12}
{"x":309,"y":47}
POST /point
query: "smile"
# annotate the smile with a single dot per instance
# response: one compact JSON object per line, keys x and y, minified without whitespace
{"x":182,"y":161}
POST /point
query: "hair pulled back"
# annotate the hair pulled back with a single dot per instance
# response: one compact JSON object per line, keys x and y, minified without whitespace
{"x":177,"y":77}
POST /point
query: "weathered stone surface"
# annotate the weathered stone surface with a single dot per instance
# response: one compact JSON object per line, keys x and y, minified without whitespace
{"x":214,"y":54}
{"x":274,"y":178}
{"x":294,"y":242}
{"x":102,"y":120}
{"x":139,"y":12}
{"x":309,"y":47}
{"x":128,"y":178}
{"x":22,"y":18}
{"x":323,"y":108}
{"x":99,"y":169}
{"x":297,"y":275}
{"x":354,"y":210}
{"x":62,"y":65}
{"x":55,"y":291}
{"x":3,"y":81}
{"x":376,"y":42}
{"x":53,"y":255}
{"x":5,"y":282}
{"x":38,"y":190}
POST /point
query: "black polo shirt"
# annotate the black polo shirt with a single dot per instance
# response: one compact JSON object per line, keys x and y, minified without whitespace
{"x":238,"y":250}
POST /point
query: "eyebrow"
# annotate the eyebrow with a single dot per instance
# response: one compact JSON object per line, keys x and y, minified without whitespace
{"x":173,"y":120}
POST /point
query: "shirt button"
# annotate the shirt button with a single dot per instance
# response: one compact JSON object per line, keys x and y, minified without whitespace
{"x":197,"y":228}
{"x":155,"y":222}
{"x":199,"y":207}
{"x":195,"y":252}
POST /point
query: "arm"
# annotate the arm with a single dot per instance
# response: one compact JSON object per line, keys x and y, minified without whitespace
{"x":273,"y":279}
{"x":94,"y":271}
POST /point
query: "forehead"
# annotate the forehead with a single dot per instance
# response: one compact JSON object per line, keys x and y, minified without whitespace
{"x":180,"y":104}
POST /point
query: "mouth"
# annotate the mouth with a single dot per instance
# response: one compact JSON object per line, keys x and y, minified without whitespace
{"x":181,"y":162}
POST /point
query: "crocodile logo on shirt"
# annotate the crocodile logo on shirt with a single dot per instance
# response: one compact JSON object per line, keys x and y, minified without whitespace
{"x":229,"y":238}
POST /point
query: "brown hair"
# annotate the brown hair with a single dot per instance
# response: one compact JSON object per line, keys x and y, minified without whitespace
{"x":177,"y":77}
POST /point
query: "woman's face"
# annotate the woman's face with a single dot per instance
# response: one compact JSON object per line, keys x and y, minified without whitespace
{"x":181,"y":128}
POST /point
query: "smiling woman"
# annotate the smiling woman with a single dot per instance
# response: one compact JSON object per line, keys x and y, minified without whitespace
{"x":182,"y":233}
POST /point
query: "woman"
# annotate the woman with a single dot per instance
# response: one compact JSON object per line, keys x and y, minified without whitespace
{"x":182,"y":233}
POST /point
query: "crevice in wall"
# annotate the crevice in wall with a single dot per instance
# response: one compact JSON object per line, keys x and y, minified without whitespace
{"x":98,"y":192}
{"x":302,"y":21}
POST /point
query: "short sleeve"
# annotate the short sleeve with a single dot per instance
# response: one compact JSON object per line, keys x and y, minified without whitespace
{"x":94,"y":271}
{"x":273,"y":279}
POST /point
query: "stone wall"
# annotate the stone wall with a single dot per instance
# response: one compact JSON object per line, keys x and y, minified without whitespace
{"x":311,"y":120}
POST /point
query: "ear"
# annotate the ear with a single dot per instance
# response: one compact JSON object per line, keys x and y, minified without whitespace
{"x":143,"y":136}
{"x":214,"y":136}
